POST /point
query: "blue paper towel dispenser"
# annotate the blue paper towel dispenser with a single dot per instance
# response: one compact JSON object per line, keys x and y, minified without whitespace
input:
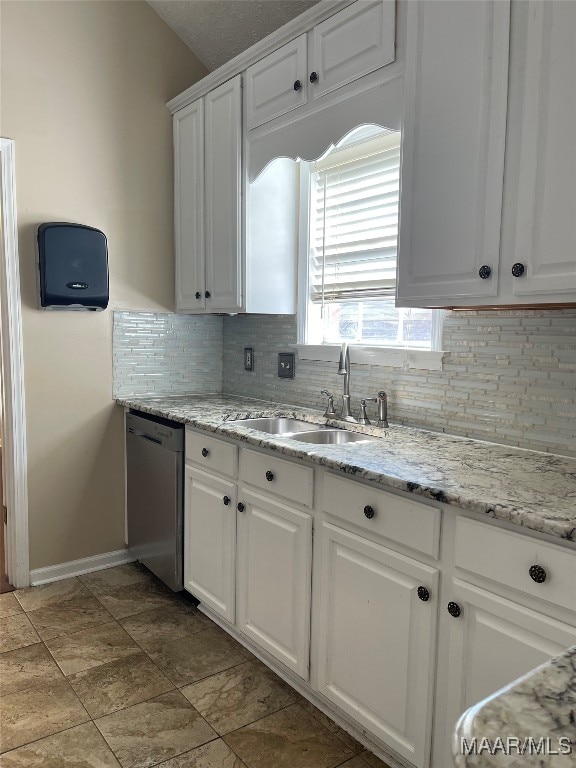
{"x":72,"y":266}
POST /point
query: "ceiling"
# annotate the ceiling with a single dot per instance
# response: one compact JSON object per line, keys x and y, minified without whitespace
{"x":218,"y":30}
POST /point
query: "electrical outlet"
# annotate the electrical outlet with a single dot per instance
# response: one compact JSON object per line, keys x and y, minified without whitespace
{"x":286,"y":365}
{"x":248,"y":358}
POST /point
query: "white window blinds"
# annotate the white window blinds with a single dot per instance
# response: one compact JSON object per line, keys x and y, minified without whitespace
{"x":354,"y":221}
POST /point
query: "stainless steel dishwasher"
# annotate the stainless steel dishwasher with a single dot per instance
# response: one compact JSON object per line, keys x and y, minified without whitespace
{"x":154,"y":494}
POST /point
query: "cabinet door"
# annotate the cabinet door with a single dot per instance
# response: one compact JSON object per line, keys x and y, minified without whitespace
{"x":375,"y":642}
{"x":352,"y":43}
{"x":543,"y":123}
{"x":188,"y":127}
{"x":453,"y":151}
{"x":274,"y":573}
{"x":210,"y":540}
{"x":223,"y":197}
{"x":492,"y":643}
{"x":271,"y":84}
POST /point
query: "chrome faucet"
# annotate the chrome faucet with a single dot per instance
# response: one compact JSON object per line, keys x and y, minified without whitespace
{"x":344,"y":370}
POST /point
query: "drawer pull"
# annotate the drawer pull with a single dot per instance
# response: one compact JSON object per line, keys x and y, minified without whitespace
{"x":313,"y":77}
{"x":369,"y":511}
{"x":537,"y":574}
{"x":423,"y":594}
{"x":269,"y":476}
{"x":198,"y":295}
{"x":454,"y":609}
{"x":240,"y":507}
{"x":297,"y":85}
{"x":205,"y":452}
{"x":226,"y":500}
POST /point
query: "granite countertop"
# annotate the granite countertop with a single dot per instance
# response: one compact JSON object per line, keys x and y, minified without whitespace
{"x":528,"y":488}
{"x":540,"y":705}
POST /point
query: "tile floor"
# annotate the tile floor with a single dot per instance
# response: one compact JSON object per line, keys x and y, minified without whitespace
{"x":111,"y":669}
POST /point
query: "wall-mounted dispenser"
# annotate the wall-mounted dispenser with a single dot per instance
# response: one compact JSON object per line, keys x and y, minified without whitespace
{"x":73,"y":267}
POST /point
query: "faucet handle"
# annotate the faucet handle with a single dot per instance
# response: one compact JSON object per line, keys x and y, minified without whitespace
{"x":329,"y":413}
{"x":363,"y":417}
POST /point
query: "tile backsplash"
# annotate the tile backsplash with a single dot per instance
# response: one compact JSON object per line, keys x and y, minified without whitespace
{"x":165,"y":353}
{"x":508,"y":376}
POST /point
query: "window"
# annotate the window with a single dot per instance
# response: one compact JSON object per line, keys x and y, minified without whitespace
{"x":348,"y":280}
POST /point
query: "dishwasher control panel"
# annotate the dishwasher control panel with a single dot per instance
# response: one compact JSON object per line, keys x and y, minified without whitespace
{"x":157,"y":430}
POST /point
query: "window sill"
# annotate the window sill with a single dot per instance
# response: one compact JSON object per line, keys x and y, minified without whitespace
{"x":407,"y":359}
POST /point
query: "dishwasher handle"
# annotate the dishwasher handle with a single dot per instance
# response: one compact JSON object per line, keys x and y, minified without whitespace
{"x":144,"y":436}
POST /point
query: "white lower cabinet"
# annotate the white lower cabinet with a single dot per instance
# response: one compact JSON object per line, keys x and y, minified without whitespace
{"x":210,"y":540}
{"x":331,"y":579}
{"x":375,"y":639}
{"x":274,"y":578}
{"x":491,"y":642}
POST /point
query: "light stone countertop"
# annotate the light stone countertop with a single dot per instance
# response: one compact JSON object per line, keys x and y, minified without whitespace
{"x":527,"y":488}
{"x":540,"y":705}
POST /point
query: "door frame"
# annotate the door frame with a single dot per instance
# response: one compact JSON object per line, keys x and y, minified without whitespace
{"x":14,"y":446}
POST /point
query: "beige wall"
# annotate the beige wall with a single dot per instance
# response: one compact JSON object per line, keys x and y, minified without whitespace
{"x":83,"y":93}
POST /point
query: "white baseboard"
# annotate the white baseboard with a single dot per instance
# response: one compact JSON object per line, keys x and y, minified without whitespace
{"x":78,"y":567}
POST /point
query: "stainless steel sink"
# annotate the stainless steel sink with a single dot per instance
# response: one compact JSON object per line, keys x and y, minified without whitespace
{"x":331,"y":437}
{"x":277,"y":425}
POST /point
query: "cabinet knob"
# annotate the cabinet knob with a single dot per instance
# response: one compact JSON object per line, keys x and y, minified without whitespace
{"x":297,"y":85}
{"x":423,"y":594}
{"x":207,"y":294}
{"x":240,"y":507}
{"x":198,"y":295}
{"x":518,"y":269}
{"x":205,"y":452}
{"x":226,"y":500}
{"x":269,"y":476}
{"x":537,"y":574}
{"x":313,"y":77}
{"x":485,"y":272}
{"x":454,"y":609}
{"x":369,"y":511}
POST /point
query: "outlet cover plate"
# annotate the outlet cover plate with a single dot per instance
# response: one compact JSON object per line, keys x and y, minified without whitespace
{"x":286,"y":365}
{"x":248,"y":358}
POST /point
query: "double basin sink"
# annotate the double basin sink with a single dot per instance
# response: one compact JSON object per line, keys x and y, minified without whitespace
{"x":303,"y":431}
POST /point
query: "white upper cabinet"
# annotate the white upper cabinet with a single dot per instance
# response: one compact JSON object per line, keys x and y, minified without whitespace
{"x":207,"y":157}
{"x":541,"y":175}
{"x":453,"y":151}
{"x":230,"y":257}
{"x":350,"y":44}
{"x":277,"y":84}
{"x":475,"y":230}
{"x":223,"y":152}
{"x":188,"y":128}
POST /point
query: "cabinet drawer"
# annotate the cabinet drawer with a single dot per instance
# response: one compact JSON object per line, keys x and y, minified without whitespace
{"x":277,"y":476}
{"x":211,"y":453}
{"x":408,"y":522}
{"x":511,"y":560}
